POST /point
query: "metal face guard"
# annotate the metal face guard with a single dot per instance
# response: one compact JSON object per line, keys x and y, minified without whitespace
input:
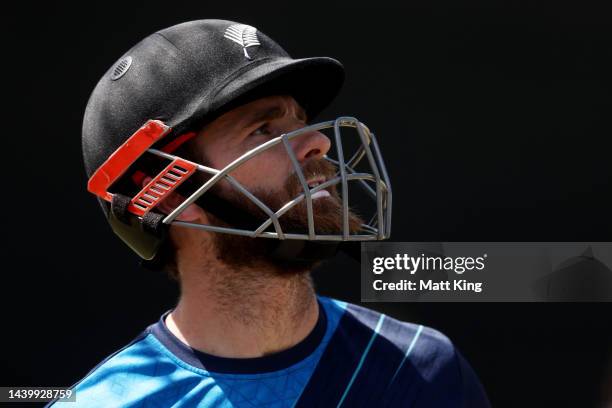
{"x":375,"y":184}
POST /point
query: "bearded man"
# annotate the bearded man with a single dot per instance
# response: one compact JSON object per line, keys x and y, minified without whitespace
{"x":199,"y":144}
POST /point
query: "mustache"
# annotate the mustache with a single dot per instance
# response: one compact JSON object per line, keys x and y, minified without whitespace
{"x":327,"y":212}
{"x":312,"y":169}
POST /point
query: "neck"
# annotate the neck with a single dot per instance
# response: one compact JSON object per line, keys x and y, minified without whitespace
{"x":241,"y":312}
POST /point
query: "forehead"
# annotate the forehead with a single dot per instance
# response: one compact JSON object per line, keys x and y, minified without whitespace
{"x":266,"y":108}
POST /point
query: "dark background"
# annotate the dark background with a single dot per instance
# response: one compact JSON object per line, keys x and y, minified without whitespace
{"x":495,"y":126}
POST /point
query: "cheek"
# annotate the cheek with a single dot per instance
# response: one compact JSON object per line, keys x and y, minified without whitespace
{"x":268,"y":170}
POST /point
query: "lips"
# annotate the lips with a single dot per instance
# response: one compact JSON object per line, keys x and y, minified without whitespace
{"x":314,"y":182}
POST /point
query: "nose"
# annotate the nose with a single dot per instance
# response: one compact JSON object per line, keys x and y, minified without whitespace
{"x":311,"y":145}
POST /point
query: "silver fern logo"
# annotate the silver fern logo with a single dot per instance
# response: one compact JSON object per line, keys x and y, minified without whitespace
{"x":244,"y":35}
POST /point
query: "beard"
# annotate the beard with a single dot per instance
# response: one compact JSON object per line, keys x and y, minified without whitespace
{"x":240,"y":251}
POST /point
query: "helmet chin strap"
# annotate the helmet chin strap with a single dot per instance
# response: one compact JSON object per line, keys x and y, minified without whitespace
{"x":287,"y":250}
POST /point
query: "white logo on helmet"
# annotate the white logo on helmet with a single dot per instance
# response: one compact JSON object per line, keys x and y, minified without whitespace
{"x":244,"y":35}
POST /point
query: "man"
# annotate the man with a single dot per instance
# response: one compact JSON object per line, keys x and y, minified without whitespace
{"x":251,"y":201}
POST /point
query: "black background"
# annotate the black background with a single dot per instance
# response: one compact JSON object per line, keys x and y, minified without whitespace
{"x":495,"y":126}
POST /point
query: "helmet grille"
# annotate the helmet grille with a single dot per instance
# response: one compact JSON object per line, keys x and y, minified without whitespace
{"x":121,"y":68}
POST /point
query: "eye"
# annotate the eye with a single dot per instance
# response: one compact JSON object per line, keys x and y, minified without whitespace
{"x":263,"y":130}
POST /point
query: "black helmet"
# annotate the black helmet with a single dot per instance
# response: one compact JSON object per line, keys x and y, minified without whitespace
{"x":194,"y":70}
{"x":171,"y":83}
{"x":189,"y":73}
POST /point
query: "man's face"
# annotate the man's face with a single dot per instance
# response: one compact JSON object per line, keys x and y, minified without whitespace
{"x":270,"y":175}
{"x":250,"y":125}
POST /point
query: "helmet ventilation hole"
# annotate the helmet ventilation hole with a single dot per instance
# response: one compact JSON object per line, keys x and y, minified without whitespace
{"x":121,"y":68}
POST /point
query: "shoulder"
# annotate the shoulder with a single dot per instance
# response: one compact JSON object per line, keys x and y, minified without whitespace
{"x":427,"y":347}
{"x":417,"y":360}
{"x":117,"y":379}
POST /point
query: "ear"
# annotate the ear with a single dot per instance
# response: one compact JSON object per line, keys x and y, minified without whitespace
{"x":190,"y":214}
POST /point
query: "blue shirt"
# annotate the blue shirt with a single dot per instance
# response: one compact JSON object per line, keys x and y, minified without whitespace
{"x":354,"y":357}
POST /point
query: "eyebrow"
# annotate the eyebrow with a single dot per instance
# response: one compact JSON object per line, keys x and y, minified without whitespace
{"x":271,"y":113}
